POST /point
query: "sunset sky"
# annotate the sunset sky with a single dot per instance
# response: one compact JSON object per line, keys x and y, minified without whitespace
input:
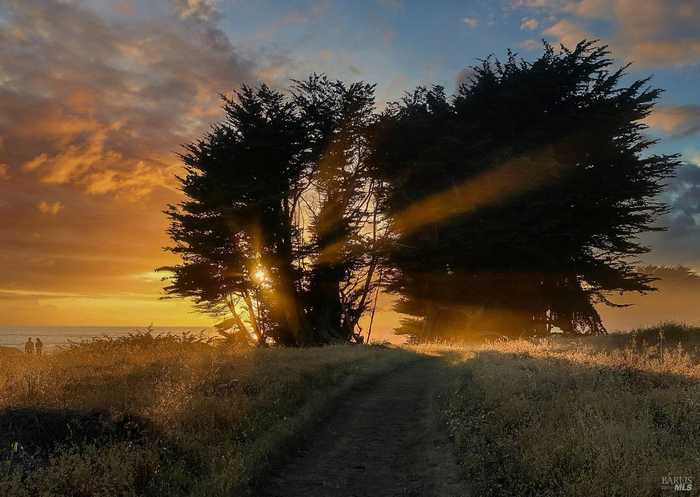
{"x":96,"y":97}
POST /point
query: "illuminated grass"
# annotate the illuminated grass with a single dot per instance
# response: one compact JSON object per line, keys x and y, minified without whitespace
{"x":167,"y":417}
{"x":572,"y":418}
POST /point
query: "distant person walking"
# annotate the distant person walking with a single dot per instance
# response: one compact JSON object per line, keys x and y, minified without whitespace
{"x":29,"y":346}
{"x":39,"y":347}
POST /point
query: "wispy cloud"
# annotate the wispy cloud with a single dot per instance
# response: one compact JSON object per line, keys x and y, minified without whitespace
{"x":96,"y":100}
{"x":203,"y":10}
{"x":658,"y":33}
{"x":50,"y":208}
{"x":471,"y":22}
{"x":103,"y":104}
{"x":529,"y":24}
{"x":567,"y":32}
{"x":678,"y":120}
{"x":530,"y":44}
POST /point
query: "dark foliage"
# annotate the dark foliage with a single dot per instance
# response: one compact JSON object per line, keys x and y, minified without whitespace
{"x":338,"y":203}
{"x":235,"y":231}
{"x":511,"y":208}
{"x":516,"y":204}
{"x":276,"y":199}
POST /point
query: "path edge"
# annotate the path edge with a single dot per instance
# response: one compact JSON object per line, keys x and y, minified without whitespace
{"x":284,"y":439}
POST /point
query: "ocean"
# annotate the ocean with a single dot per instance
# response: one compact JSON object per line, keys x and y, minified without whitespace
{"x":56,"y":336}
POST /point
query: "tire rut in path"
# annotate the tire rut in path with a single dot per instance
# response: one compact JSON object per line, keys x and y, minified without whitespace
{"x":383,"y":441}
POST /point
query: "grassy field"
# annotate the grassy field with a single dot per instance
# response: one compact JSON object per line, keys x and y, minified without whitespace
{"x":601,"y":416}
{"x":169,"y":416}
{"x":595,"y":417}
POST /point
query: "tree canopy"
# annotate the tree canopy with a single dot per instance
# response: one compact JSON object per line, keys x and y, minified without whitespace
{"x":511,"y":207}
{"x":517,"y":204}
{"x":271,"y":229}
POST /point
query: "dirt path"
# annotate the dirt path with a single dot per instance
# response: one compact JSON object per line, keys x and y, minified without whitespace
{"x":383,"y":441}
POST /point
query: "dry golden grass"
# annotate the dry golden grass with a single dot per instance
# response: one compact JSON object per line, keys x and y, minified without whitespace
{"x":163,"y":417}
{"x":603,"y":416}
{"x":589,"y":417}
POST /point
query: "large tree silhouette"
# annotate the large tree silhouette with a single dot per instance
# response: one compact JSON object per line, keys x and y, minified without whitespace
{"x":235,"y":231}
{"x":274,"y":228}
{"x":338,"y":203}
{"x":516,"y":205}
{"x":512,"y":207}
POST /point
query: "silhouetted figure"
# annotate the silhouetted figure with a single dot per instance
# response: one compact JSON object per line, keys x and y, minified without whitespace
{"x":39,"y":347}
{"x":29,"y":346}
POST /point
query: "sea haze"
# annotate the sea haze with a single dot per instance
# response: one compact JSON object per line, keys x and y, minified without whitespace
{"x":55,"y":336}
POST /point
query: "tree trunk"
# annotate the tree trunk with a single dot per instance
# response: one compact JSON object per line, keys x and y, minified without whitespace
{"x":259,"y":335}
{"x":237,"y":318}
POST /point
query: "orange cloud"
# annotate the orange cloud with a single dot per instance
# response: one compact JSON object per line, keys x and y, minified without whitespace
{"x":675,"y":120}
{"x":72,"y":163}
{"x":650,"y":33}
{"x":198,"y":9}
{"x":113,"y":99}
{"x":529,"y":24}
{"x":591,"y":8}
{"x":124,"y":7}
{"x":567,"y":32}
{"x":50,"y":208}
{"x":95,"y":107}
